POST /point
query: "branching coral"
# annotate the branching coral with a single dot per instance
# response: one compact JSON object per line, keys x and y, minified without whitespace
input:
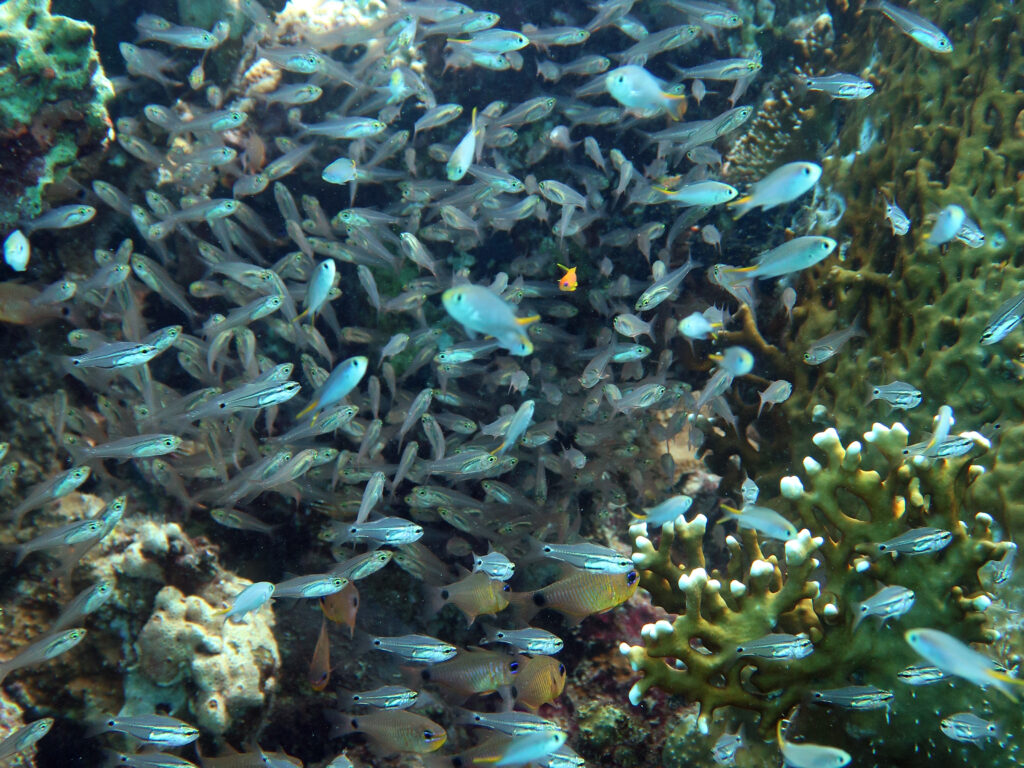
{"x":812,"y":589}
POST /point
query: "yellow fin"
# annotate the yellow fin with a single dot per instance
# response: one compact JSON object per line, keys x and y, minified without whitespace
{"x":730,"y":510}
{"x":527,"y":320}
{"x":664,"y":190}
{"x":739,"y":201}
{"x":307,"y":409}
{"x":1006,"y":679}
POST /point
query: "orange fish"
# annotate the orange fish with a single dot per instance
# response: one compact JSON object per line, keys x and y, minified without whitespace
{"x":473,"y":672}
{"x":580,"y":594}
{"x":540,"y":680}
{"x":320,"y":666}
{"x":341,"y":607}
{"x":568,"y":281}
{"x":475,"y":595}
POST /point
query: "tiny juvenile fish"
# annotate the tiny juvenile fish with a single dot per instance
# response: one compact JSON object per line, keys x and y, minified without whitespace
{"x":829,"y":345}
{"x":916,"y":27}
{"x":41,"y":650}
{"x":311,"y":586}
{"x":969,"y":728}
{"x":385,"y":697}
{"x":416,"y":648}
{"x":586,"y":556}
{"x":917,"y":541}
{"x":841,"y":86}
{"x":158,"y":730}
{"x":888,"y":603}
{"x":777,"y":646}
{"x":529,"y":640}
{"x":898,"y":220}
{"x":775,"y":393}
{"x":496,"y":565}
{"x":859,"y":697}
{"x":1006,"y":318}
{"x":898,"y":394}
{"x":24,"y":737}
{"x":64,"y":217}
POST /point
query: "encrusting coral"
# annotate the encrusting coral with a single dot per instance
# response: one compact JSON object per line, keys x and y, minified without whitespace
{"x":53,"y":96}
{"x":812,"y":591}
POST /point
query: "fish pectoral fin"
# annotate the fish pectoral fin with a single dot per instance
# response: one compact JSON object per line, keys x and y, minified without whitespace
{"x":527,"y":320}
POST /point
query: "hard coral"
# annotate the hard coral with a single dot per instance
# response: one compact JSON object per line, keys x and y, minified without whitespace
{"x":813,"y":589}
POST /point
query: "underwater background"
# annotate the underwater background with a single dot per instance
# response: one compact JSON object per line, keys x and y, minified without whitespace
{"x":395,"y":383}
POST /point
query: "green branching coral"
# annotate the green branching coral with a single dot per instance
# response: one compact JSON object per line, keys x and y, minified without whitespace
{"x":846,"y":507}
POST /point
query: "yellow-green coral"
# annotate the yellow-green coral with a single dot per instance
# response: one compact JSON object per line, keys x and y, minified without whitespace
{"x":846,"y":506}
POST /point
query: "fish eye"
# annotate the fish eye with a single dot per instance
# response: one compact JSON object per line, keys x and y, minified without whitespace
{"x":513,"y":667}
{"x":631,"y":578}
{"x":376,"y":642}
{"x":561,"y":669}
{"x":506,"y":588}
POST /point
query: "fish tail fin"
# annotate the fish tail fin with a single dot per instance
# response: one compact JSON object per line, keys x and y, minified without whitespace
{"x":298,"y":318}
{"x":730,"y":511}
{"x":742,"y":206}
{"x":527,"y":320}
{"x":453,"y":40}
{"x":1005,"y":678}
{"x":675,"y":105}
{"x":313,"y":404}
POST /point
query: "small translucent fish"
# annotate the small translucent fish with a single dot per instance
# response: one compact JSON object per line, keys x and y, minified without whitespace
{"x":970,"y":234}
{"x":775,"y":393}
{"x":494,"y":41}
{"x":496,"y":565}
{"x":898,"y":394}
{"x":586,"y":556}
{"x":50,"y":490}
{"x":343,"y":379}
{"x":240,"y":521}
{"x":859,"y":697}
{"x":667,"y":511}
{"x":917,"y":541}
{"x":139,"y":447}
{"x":158,"y":730}
{"x":726,"y":746}
{"x":642,"y":93}
{"x":392,"y":730}
{"x":317,"y":585}
{"x":17,"y":251}
{"x":724,"y":69}
{"x":393,"y":531}
{"x":480,"y":310}
{"x":23,"y":738}
{"x":947,"y":223}
{"x":921,"y":674}
{"x":765,"y":521}
{"x":44,"y":649}
{"x":888,"y":603}
{"x":567,"y":282}
{"x":1004,"y":320}
{"x":784,"y":184}
{"x":252,"y":598}
{"x":116,"y":355}
{"x":898,"y":220}
{"x":840,"y":86}
{"x":810,"y":755}
{"x":462,"y":156}
{"x":421,"y":649}
{"x":437,"y":116}
{"x":663,"y":288}
{"x":736,"y":360}
{"x":777,"y":646}
{"x":541,"y":680}
{"x":88,"y":601}
{"x":712,"y":14}
{"x":511,"y":723}
{"x":969,"y":728}
{"x":829,"y":345}
{"x":956,"y":658}
{"x":529,"y":640}
{"x":632,"y":326}
{"x":476,"y":595}
{"x":64,"y":217}
{"x":916,"y":27}
{"x":67,"y":535}
{"x":385,"y":697}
